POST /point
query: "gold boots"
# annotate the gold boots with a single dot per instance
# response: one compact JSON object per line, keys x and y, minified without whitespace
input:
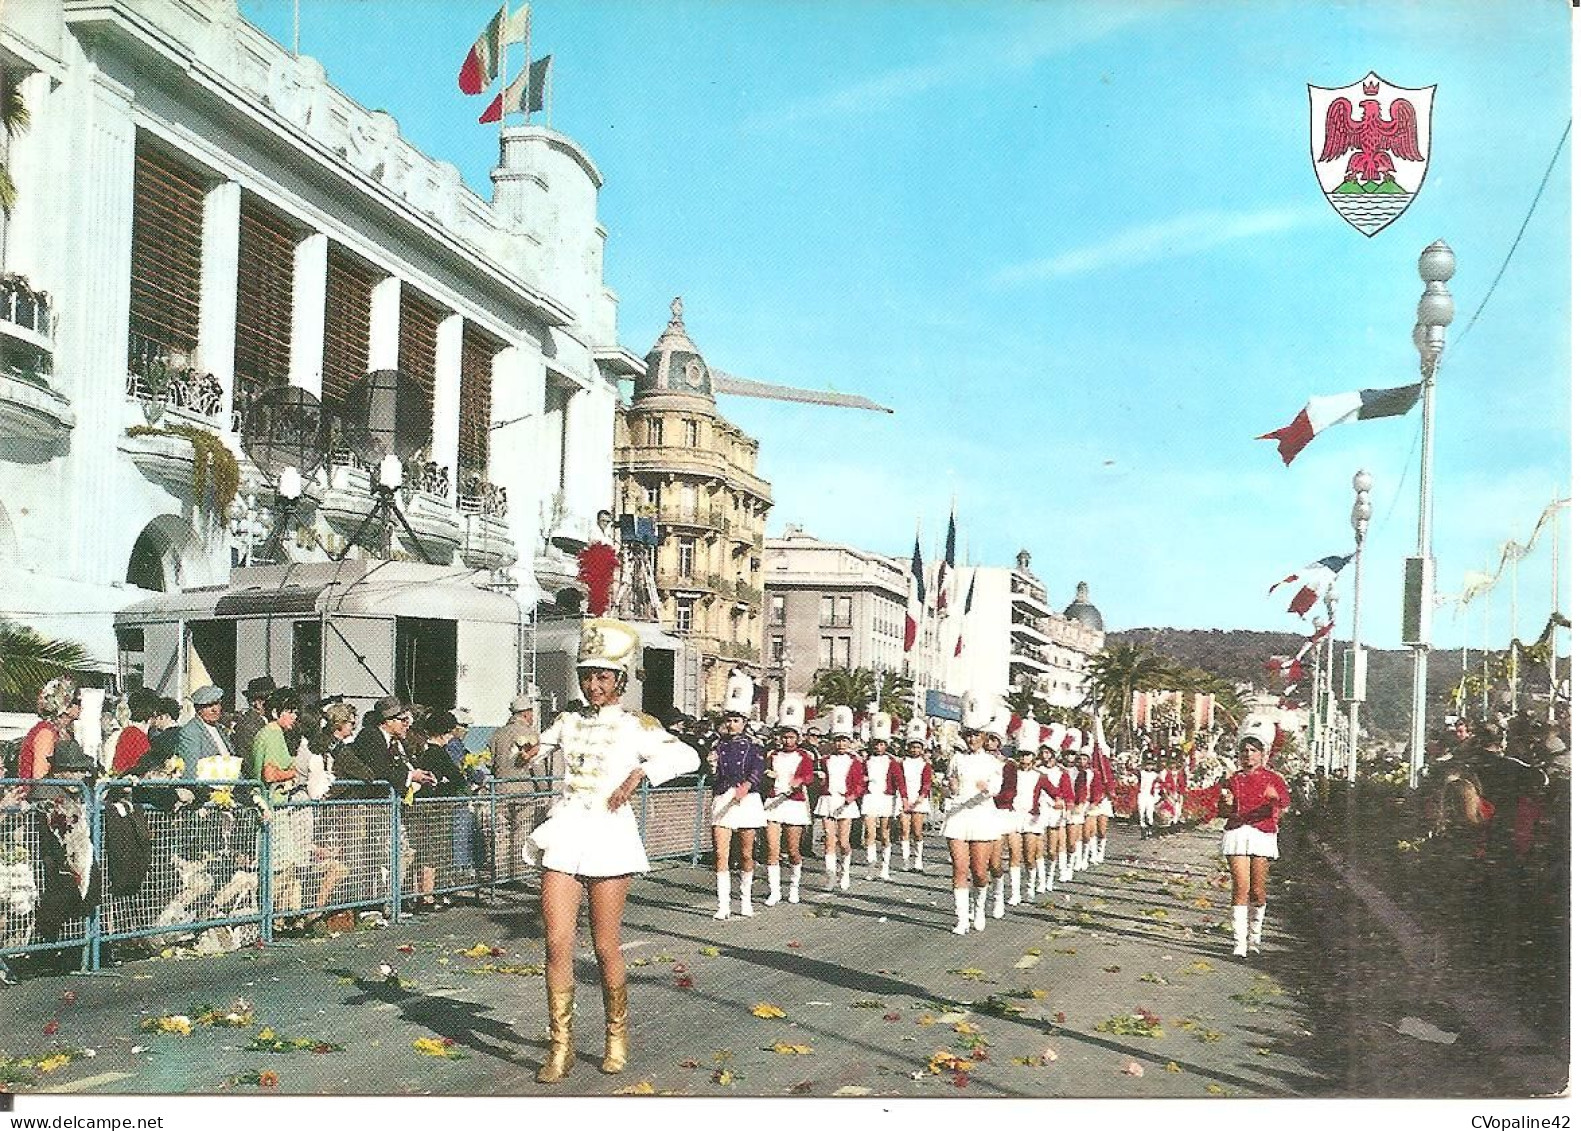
{"x":617,"y":1029}
{"x":561,"y":1052}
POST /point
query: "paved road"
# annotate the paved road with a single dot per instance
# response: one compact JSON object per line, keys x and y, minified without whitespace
{"x":872,"y":984}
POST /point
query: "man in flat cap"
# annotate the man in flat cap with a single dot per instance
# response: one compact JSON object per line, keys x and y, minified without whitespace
{"x":513,"y":751}
{"x":200,"y":736}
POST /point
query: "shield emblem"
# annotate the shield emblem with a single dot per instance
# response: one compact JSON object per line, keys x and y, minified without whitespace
{"x":1370,"y":145}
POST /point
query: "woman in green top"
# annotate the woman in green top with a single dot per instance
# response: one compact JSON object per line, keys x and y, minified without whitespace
{"x":272,"y":761}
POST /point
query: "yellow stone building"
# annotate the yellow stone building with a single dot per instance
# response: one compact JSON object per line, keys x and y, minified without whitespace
{"x":679,"y":462}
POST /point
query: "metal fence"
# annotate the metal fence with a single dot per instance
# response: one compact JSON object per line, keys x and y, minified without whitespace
{"x":226,"y":868}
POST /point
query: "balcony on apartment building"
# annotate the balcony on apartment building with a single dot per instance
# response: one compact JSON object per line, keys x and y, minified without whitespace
{"x":1028,"y":656}
{"x":35,"y":420}
{"x":1027,"y":596}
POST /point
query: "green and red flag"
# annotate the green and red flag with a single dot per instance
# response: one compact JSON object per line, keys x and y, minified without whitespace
{"x":482,"y":65}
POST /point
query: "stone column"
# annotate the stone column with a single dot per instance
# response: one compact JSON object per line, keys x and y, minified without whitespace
{"x":308,"y":296}
{"x":447,"y":397}
{"x":384,"y":325}
{"x":216,"y":354}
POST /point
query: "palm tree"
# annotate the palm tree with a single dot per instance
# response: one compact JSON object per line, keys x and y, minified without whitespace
{"x":28,"y":661}
{"x":843,"y":687}
{"x":14,"y":118}
{"x":1118,"y":671}
{"x":894,"y":695}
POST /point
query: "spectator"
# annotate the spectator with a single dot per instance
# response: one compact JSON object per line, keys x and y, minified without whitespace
{"x":59,"y":706}
{"x":132,"y":744}
{"x":429,"y":820}
{"x":255,"y":718}
{"x":200,"y":737}
{"x":515,"y":761}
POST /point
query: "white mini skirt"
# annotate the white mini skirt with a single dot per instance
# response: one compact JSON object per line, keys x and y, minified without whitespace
{"x":835,"y":805}
{"x":732,"y":814}
{"x":583,"y":838}
{"x":1249,"y":840}
{"x":1104,"y":808}
{"x":783,"y":810}
{"x":879,"y":805}
{"x":972,"y":818}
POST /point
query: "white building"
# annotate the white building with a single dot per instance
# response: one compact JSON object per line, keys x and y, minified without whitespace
{"x":211,"y":245}
{"x":1012,"y":638}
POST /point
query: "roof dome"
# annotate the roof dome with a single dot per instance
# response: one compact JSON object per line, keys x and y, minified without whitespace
{"x":676,"y":368}
{"x":1083,"y":611}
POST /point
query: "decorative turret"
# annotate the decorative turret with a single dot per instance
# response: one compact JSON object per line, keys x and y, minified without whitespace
{"x":675,"y":370}
{"x":1082,"y":610}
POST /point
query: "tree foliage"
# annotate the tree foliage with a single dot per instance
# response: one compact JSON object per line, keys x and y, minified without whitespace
{"x":28,"y":661}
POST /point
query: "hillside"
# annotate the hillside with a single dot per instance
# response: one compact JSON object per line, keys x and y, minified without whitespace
{"x":1240,"y":655}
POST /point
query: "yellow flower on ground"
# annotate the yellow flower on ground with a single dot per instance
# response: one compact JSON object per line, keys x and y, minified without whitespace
{"x":766,"y":1010}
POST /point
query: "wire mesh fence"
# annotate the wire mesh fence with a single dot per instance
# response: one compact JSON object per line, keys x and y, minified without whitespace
{"x":149,"y":866}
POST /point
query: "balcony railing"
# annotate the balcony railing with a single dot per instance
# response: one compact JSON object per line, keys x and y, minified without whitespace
{"x":426,"y":476}
{"x":26,"y":308}
{"x":479,"y":496}
{"x":709,"y":517}
{"x":162,"y":377}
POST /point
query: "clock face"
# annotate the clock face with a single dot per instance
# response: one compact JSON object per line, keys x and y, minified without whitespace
{"x":692,"y":376}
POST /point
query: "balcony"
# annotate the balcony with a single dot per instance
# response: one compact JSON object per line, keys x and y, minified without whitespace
{"x":160,"y":379}
{"x":698,"y":518}
{"x":1029,"y":657}
{"x":673,"y":582}
{"x":1027,"y":631}
{"x":35,"y":420}
{"x":1024,"y":598}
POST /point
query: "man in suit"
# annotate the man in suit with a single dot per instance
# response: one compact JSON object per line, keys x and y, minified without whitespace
{"x":200,"y":736}
{"x":381,"y":747}
{"x":254,"y":719}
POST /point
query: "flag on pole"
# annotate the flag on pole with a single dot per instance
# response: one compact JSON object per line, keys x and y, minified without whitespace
{"x":482,"y":65}
{"x":524,"y":95}
{"x":1324,"y":412}
{"x":1316,"y":580}
{"x":918,"y":597}
{"x":948,"y":564}
{"x":966,"y":609}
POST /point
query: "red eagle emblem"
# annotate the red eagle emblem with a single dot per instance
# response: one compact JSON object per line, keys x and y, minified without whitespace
{"x":1373,"y":137}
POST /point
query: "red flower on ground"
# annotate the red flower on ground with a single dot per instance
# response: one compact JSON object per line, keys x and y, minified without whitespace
{"x":51,"y":1028}
{"x":405,"y":948}
{"x":960,"y":1079}
{"x":794,"y":945}
{"x":891,"y":1017}
{"x":1059,"y":1018}
{"x":684,"y":982}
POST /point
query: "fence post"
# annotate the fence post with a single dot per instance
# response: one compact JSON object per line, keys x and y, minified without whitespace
{"x":95,"y":804}
{"x":492,"y":839}
{"x":697,"y":823}
{"x":642,"y":817}
{"x":266,"y":867}
{"x":395,"y":857}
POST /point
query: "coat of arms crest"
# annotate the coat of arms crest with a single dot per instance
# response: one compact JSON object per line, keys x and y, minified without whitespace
{"x":1371,"y":161}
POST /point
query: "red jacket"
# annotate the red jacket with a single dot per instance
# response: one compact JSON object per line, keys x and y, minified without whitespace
{"x":855,"y":778}
{"x":1081,"y":786}
{"x":1253,"y":805}
{"x":1041,"y":790}
{"x":1102,"y":777}
{"x":1006,"y":797}
{"x":803,"y":776}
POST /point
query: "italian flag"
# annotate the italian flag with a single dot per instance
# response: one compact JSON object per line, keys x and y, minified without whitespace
{"x":917,"y":599}
{"x":482,"y":64}
{"x":1324,"y":412}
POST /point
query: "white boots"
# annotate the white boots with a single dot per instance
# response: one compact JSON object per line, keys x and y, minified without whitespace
{"x":999,"y":898}
{"x":722,"y":884}
{"x":774,"y":886}
{"x":905,"y":854}
{"x":872,"y":860}
{"x":1255,"y":938}
{"x":883,"y":871}
{"x":746,"y":894}
{"x":1015,"y":885}
{"x":963,"y":910}
{"x":1065,"y":873}
{"x":918,"y":864}
{"x":831,"y":870}
{"x":980,"y":909}
{"x":845,"y":873}
{"x":1238,"y":919}
{"x":795,"y":887}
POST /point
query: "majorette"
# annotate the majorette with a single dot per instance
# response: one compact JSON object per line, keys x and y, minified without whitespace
{"x":737,"y":807}
{"x":917,"y":791}
{"x":790,"y":771}
{"x":844,"y":782}
{"x":885,"y":785}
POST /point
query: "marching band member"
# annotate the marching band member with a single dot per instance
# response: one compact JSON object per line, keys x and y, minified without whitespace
{"x":737,"y":807}
{"x":1058,"y":849}
{"x":1252,"y":801}
{"x":1003,"y":799}
{"x":591,"y":839}
{"x":1100,"y":806}
{"x":1175,"y":789}
{"x":843,"y":786}
{"x":972,"y":825}
{"x":1149,"y":787}
{"x":790,"y":770}
{"x":881,"y":802}
{"x":916,"y":791}
{"x":1026,"y":837}
{"x":1076,"y":813}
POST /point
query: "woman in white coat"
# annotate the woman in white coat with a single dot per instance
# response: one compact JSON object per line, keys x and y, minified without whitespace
{"x":972,"y":824}
{"x":590,"y":840}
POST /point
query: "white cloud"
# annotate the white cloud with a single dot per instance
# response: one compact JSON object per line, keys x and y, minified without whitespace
{"x":1182,"y":235}
{"x":1020,"y":50}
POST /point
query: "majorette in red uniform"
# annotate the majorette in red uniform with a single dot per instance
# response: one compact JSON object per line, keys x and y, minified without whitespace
{"x":1100,"y":807}
{"x":972,"y":825}
{"x":881,"y":802}
{"x":916,"y":791}
{"x":1026,"y":804}
{"x":1060,"y":815}
{"x":844,"y":782}
{"x":1079,"y":766}
{"x":790,"y":771}
{"x":1003,"y":801}
{"x":1251,"y":802}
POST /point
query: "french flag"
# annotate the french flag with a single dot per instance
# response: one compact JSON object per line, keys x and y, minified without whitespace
{"x":918,"y":598}
{"x":947,"y":566}
{"x":1325,"y":412}
{"x":960,"y":639}
{"x":1316,"y":579}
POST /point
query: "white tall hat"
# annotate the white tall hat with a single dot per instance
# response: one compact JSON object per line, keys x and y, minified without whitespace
{"x":883,"y":726}
{"x":1056,"y":734}
{"x":917,"y":730}
{"x":998,"y":724}
{"x":974,"y":717}
{"x":610,"y":644}
{"x":1260,"y":727}
{"x":840,"y":722}
{"x":793,"y":714}
{"x":1027,"y":736}
{"x":738,"y":694}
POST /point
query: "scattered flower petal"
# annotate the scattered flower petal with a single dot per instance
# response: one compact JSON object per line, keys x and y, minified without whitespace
{"x":51,"y":1028}
{"x":1132,"y":1068}
{"x":640,"y":1088}
{"x":767,"y":1011}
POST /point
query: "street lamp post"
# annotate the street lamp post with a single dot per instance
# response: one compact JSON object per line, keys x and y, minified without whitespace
{"x":1434,"y":311}
{"x":1356,"y":689}
{"x":1329,"y":603}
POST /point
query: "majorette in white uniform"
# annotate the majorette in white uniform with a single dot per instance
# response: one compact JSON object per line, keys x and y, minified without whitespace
{"x":789,"y":773}
{"x":882,"y":798}
{"x":581,"y":836}
{"x":843,"y":784}
{"x":970,"y":817}
{"x":917,"y":774}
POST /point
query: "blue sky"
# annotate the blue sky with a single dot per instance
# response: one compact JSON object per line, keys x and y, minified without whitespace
{"x":1081,"y":251}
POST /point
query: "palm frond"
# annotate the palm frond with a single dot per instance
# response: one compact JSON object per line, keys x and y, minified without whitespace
{"x":28,"y":661}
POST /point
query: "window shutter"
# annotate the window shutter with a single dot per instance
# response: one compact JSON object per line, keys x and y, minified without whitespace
{"x":419,"y":341}
{"x":167,"y":253}
{"x":264,"y":284}
{"x":477,"y":403}
{"x":348,"y":299}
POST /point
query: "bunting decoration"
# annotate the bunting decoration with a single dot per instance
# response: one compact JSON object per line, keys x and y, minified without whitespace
{"x":1316,"y":579}
{"x":1325,"y":412}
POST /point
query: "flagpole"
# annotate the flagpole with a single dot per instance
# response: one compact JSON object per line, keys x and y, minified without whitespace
{"x":548,"y":96}
{"x":1553,"y":645}
{"x":296,"y":28}
{"x":502,"y":55}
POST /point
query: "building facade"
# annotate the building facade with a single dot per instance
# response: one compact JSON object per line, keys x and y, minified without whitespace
{"x":230,"y":294}
{"x":1012,"y":639}
{"x":829,"y":606}
{"x":690,"y":474}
